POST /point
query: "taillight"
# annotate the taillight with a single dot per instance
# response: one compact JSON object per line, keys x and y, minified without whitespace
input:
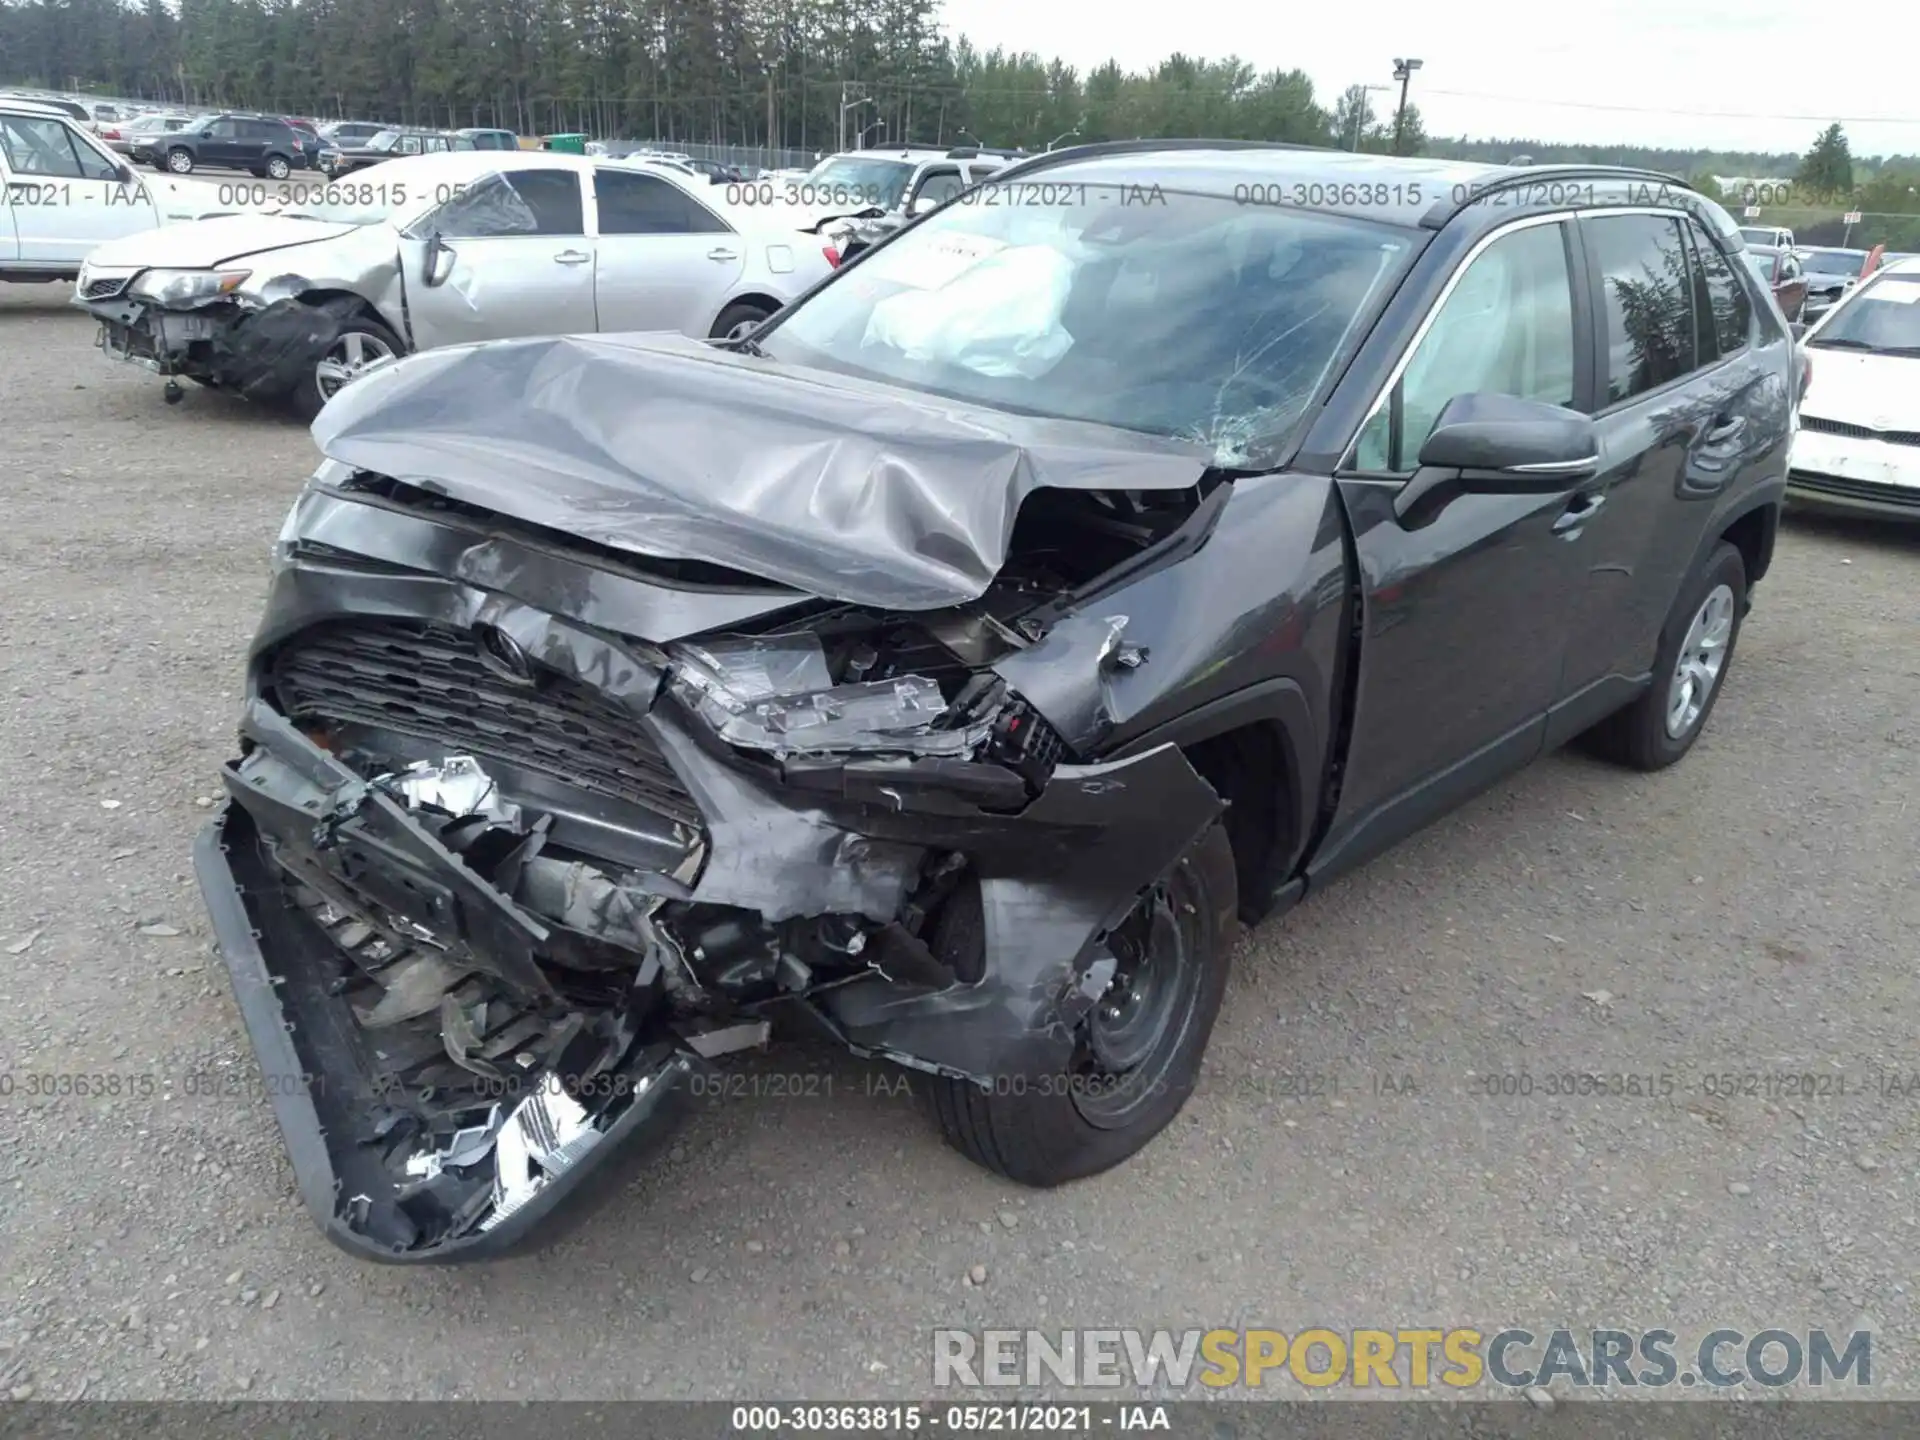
{"x":109,"y":134}
{"x":833,"y":255}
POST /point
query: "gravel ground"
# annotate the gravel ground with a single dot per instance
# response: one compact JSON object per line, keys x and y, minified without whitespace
{"x":1751,"y":911}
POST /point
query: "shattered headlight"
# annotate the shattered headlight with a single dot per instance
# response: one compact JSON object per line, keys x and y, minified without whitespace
{"x":774,"y":693}
{"x":179,"y":287}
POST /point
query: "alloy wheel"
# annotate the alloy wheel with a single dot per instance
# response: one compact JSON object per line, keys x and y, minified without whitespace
{"x":179,"y":162}
{"x":350,"y":356}
{"x":1702,"y":658}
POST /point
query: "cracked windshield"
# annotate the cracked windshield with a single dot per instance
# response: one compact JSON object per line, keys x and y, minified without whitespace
{"x":1179,"y":314}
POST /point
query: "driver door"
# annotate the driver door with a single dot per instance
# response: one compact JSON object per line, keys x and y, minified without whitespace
{"x":518,"y":263}
{"x":1467,"y":602}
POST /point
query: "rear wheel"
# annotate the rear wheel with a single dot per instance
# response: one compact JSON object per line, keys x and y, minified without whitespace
{"x":740,"y":319}
{"x":278,"y":168}
{"x":1696,"y":651}
{"x":1136,"y":1055}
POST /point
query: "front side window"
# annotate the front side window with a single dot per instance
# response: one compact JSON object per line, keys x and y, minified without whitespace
{"x":224,"y":130}
{"x":1649,"y":319}
{"x":939,"y":186}
{"x":1181,"y":315}
{"x":520,"y":202}
{"x":1505,"y":329}
{"x":45,"y":146}
{"x":635,"y":204}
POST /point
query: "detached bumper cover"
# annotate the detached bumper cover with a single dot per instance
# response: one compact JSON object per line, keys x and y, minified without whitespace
{"x":289,"y":1018}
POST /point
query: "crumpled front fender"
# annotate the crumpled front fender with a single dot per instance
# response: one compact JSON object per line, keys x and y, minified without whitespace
{"x":1054,"y":881}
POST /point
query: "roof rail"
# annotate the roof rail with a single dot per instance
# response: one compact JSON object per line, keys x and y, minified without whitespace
{"x":1097,"y":149}
{"x":1443,"y":211}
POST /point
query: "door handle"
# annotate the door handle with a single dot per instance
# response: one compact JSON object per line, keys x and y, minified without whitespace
{"x":722,"y":253}
{"x":572,"y":257}
{"x":1580,"y":509}
{"x":1727,"y":427}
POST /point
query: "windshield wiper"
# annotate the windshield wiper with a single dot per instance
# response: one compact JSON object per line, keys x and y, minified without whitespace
{"x":1843,"y":343}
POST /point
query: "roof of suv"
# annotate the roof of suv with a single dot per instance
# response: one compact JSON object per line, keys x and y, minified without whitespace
{"x":1399,"y":190}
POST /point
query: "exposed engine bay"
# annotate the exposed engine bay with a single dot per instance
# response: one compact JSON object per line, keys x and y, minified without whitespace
{"x":556,"y":868}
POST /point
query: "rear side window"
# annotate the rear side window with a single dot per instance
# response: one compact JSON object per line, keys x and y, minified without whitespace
{"x":1648,"y":322}
{"x":1726,"y":314}
{"x":633,"y":204}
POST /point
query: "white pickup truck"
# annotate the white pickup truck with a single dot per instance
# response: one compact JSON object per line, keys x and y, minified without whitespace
{"x":62,"y":193}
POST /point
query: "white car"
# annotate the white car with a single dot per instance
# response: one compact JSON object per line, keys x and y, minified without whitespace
{"x":62,"y":193}
{"x":1858,"y":443}
{"x":441,"y":249}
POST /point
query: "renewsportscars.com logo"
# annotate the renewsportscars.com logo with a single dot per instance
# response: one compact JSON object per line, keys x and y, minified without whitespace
{"x":1401,"y":1358}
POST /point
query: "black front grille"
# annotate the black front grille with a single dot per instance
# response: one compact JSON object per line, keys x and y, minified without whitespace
{"x":1904,"y":495}
{"x":105,"y":289}
{"x":429,"y":681}
{"x":1859,"y":432}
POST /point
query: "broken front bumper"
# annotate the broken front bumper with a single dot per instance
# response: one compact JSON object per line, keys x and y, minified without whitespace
{"x":264,"y":352}
{"x":303,"y":1039}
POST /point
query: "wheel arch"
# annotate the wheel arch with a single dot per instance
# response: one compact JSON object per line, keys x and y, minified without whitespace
{"x":1256,"y":748}
{"x":772,"y":304}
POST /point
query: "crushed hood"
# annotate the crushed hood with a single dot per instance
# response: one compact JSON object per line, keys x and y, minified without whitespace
{"x":666,"y":447}
{"x":1855,"y":387}
{"x":194,"y":244}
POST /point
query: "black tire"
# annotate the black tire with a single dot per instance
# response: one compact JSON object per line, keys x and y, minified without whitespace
{"x":278,"y":167}
{"x":1638,"y":736}
{"x":740,"y":312}
{"x":306,"y":401}
{"x":1039,"y":1132}
{"x":179,"y":161}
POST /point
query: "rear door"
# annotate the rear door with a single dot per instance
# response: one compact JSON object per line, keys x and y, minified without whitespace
{"x":1683,"y":408}
{"x":1466,"y":604}
{"x":662,"y":260}
{"x":522,"y":263}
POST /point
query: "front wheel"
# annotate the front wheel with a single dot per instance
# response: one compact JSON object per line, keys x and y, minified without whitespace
{"x":358,"y":346}
{"x":1696,"y":651}
{"x":1136,"y":1054}
{"x":180,"y":161}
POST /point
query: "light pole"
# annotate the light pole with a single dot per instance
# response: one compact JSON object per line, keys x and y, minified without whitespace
{"x":879,"y":125}
{"x":840,"y":136}
{"x":1403,"y":72}
{"x":1360,"y":111}
{"x":1065,"y":135}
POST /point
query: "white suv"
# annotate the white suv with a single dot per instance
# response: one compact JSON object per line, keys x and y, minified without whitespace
{"x":61,"y":193}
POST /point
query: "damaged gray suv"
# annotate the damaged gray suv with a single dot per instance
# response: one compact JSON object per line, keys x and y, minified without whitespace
{"x":952,"y":664}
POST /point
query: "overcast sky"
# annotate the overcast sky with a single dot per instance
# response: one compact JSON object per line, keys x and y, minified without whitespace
{"x":1757,"y":75}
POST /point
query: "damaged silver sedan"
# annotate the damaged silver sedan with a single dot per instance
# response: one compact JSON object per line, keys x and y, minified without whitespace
{"x":308,"y":285}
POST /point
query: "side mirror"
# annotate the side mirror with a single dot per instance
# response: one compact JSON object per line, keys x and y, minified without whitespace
{"x":1503,"y":445}
{"x":921,"y":205}
{"x":439,"y":261}
{"x":123,"y":173}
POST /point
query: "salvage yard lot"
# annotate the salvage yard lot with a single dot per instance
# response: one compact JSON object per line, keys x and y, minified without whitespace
{"x":1751,"y":912}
